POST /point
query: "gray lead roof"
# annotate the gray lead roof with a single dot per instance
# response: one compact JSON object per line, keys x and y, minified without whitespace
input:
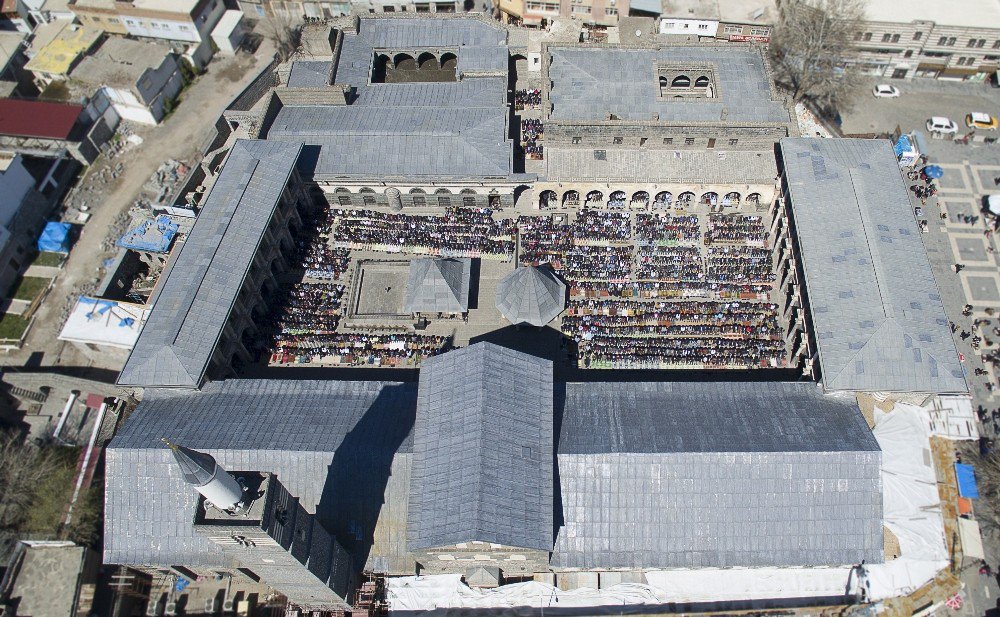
{"x":588,"y":84}
{"x":876,"y":310}
{"x":445,"y":130}
{"x":694,"y":475}
{"x":482,"y":450}
{"x":438,"y":285}
{"x":193,"y":306}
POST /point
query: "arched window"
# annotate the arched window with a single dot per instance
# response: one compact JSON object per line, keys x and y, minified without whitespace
{"x":663,"y":199}
{"x":640,"y":197}
{"x":731,"y":199}
{"x":367,"y":190}
{"x":404,"y":62}
{"x":427,"y":60}
{"x":449,"y":61}
{"x":753,"y":198}
{"x":571,"y":196}
{"x":417,"y":191}
{"x":710,"y":198}
{"x":442,"y":191}
{"x":663,"y":81}
{"x":701,"y":82}
{"x":341,"y":189}
{"x":547,"y":198}
{"x":595,"y":196}
{"x":681,"y":81}
{"x":685,"y":197}
{"x":468,"y":191}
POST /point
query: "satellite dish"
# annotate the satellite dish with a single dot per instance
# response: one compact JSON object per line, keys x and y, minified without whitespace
{"x":638,"y":33}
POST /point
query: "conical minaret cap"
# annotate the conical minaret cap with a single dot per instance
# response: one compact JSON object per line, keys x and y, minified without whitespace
{"x":198,"y":467}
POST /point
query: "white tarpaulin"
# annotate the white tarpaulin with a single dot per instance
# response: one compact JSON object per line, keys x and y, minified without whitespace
{"x":911,"y":510}
{"x":972,"y":539}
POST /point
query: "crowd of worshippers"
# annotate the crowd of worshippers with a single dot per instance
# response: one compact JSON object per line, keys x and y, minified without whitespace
{"x":313,"y":251}
{"x":358,"y":349}
{"x":527,"y":97}
{"x":306,"y":309}
{"x":531,"y":132}
{"x":460,"y":232}
{"x":736,"y":229}
{"x":662,"y":258}
{"x":664,"y":228}
{"x":629,"y":334}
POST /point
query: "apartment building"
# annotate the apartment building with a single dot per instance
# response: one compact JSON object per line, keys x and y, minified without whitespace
{"x":728,"y":20}
{"x":189,"y":21}
{"x":925,"y":38}
{"x":324,"y":9}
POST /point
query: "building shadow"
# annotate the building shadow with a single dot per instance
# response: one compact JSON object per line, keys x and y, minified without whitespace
{"x":545,"y":342}
{"x":474,"y":274}
{"x":558,"y":406}
{"x":355,"y":488}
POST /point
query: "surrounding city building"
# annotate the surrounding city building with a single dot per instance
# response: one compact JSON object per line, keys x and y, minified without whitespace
{"x":53,"y":130}
{"x":728,"y":20}
{"x":56,"y":48}
{"x":49,"y":579}
{"x":183,"y":21}
{"x":140,"y":79}
{"x":928,"y":39}
{"x":512,"y":455}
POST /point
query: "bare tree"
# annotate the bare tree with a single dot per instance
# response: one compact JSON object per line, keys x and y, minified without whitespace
{"x":988,"y":479}
{"x":284,"y":32}
{"x":23,"y":467}
{"x":812,"y":50}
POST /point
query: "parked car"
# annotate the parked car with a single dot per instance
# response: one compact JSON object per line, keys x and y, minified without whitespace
{"x":980,"y":120}
{"x":885,"y":91}
{"x":940,"y":124}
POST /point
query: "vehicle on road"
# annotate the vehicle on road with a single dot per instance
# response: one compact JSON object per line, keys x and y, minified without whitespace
{"x":940,"y":124}
{"x":980,"y":120}
{"x":918,"y":211}
{"x":885,"y":91}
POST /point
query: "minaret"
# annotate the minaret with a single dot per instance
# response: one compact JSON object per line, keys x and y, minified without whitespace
{"x":207,"y":477}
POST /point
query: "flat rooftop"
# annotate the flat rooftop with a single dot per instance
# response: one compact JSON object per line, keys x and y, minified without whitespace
{"x":48,"y":580}
{"x":120,"y":62}
{"x":739,"y":11}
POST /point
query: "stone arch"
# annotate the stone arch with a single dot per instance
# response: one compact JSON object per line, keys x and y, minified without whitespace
{"x":710,"y":198}
{"x":753,"y":199}
{"x":617,"y":196}
{"x":467,"y":192}
{"x":571,"y":195}
{"x":427,"y":60}
{"x":640,"y":198}
{"x":595,"y":196}
{"x":701,"y":82}
{"x":367,"y":189}
{"x":341,"y":189}
{"x":732,"y":198}
{"x":404,"y":62}
{"x":685,"y":198}
{"x":442,"y":191}
{"x":547,"y":198}
{"x":663,"y":199}
{"x":417,"y":191}
{"x":449,"y":60}
{"x":664,"y":82}
{"x":681,"y":81}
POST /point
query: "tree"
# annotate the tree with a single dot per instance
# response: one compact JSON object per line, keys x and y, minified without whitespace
{"x":988,"y":479}
{"x":283,"y":32}
{"x":813,"y":53}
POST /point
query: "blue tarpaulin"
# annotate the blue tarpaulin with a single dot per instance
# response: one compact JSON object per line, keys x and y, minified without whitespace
{"x":902,"y":145}
{"x":933,"y":171}
{"x":966,"y":481}
{"x":155,"y":236}
{"x":55,"y":237}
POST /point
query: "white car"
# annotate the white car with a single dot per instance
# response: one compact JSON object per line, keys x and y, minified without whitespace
{"x":940,"y":124}
{"x":885,"y":91}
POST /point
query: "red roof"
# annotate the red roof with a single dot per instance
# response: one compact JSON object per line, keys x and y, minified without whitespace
{"x":22,"y":118}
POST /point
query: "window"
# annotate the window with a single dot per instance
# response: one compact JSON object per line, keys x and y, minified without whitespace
{"x":185,"y":28}
{"x":868,"y":36}
{"x":577,"y":140}
{"x":991,"y":58}
{"x":733,"y":142}
{"x":667,"y":141}
{"x":908,"y":53}
{"x":857,"y":36}
{"x":733,"y":29}
{"x":388,"y":9}
{"x":703,"y":26}
{"x":917,"y":36}
{"x":689,"y":141}
{"x":368,"y":199}
{"x":895,"y":38}
{"x":951,"y":41}
{"x":611,"y":11}
{"x":760,"y":31}
{"x":617,"y":140}
{"x":996,"y":44}
{"x":980,"y":43}
{"x":581,"y":10}
{"x":972,"y":43}
{"x":669,"y":25}
{"x":886,"y":37}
